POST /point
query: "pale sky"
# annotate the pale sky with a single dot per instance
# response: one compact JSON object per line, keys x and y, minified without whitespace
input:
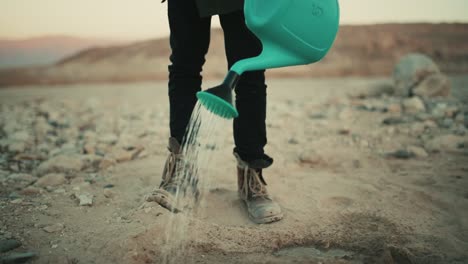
{"x":141,"y":19}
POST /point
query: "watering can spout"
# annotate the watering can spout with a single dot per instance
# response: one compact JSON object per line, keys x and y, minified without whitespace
{"x":270,"y":57}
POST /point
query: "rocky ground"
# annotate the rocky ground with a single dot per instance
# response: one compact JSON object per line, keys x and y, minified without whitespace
{"x":363,"y":177}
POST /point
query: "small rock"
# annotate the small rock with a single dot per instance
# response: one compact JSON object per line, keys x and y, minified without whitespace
{"x":9,"y":244}
{"x":65,"y":163}
{"x":394,"y":108}
{"x":51,"y":179}
{"x":293,"y":141}
{"x":19,"y":136}
{"x":106,"y":163}
{"x":430,"y":124}
{"x":344,"y":131}
{"x":439,"y":110}
{"x":446,"y":123}
{"x":443,"y":143}
{"x":394,"y":120}
{"x":17,"y":146}
{"x":413,"y":105}
{"x":16,"y":201}
{"x":31,"y":191}
{"x":401,"y":154}
{"x":108,"y":193}
{"x":22,"y":177}
{"x":17,"y":258}
{"x":423,"y":116}
{"x":85,"y":199}
{"x":89,"y":148}
{"x":14,"y":195}
{"x":121,"y":155}
{"x":60,"y":190}
{"x":54,"y":228}
{"x":432,"y":86}
{"x":417,"y":128}
{"x":109,"y":139}
{"x":459,"y":118}
{"x":417,"y":151}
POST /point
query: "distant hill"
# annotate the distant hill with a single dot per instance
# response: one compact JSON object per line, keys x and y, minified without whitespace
{"x":370,"y":50}
{"x":44,"y":50}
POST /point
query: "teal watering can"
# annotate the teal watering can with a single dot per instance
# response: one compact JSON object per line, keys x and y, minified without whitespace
{"x":292,"y":32}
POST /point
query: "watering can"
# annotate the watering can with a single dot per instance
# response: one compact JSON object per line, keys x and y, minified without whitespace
{"x":292,"y":32}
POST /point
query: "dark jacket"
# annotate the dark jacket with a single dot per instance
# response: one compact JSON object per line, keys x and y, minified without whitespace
{"x":217,"y":7}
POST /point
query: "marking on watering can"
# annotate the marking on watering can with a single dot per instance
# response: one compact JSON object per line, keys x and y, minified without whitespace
{"x":317,"y":11}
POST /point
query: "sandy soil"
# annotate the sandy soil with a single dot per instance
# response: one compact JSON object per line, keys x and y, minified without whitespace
{"x":345,"y":200}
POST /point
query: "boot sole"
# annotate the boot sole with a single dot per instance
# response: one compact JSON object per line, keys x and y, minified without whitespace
{"x":266,"y":220}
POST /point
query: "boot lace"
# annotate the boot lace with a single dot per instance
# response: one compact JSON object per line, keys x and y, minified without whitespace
{"x":253,"y":184}
{"x":178,"y":173}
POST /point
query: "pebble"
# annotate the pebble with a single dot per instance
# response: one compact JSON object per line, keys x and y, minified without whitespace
{"x":401,"y":154}
{"x":394,"y":120}
{"x":106,"y":163}
{"x":22,"y":177}
{"x":54,"y":228}
{"x":446,"y":123}
{"x":417,"y":151}
{"x":109,"y":139}
{"x":16,"y":201}
{"x":430,"y":124}
{"x":413,"y":105}
{"x":108,"y":193}
{"x":394,"y":108}
{"x":31,"y":191}
{"x":85,"y":199}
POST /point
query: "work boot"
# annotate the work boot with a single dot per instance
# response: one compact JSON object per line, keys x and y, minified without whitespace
{"x":176,"y":179}
{"x":252,"y":190}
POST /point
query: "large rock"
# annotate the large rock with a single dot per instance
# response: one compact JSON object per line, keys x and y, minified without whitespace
{"x":432,"y":86}
{"x":412,"y":70}
{"x":62,"y":164}
{"x":52,"y":179}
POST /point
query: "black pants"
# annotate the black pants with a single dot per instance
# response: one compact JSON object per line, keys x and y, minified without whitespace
{"x":189,"y":39}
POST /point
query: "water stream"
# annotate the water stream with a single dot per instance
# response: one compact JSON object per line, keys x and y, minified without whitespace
{"x":204,"y":135}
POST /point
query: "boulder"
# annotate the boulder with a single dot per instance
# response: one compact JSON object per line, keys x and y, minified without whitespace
{"x":410,"y":71}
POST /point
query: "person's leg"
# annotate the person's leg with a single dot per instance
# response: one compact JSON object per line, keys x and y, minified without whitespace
{"x":189,"y":39}
{"x":249,"y":128}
